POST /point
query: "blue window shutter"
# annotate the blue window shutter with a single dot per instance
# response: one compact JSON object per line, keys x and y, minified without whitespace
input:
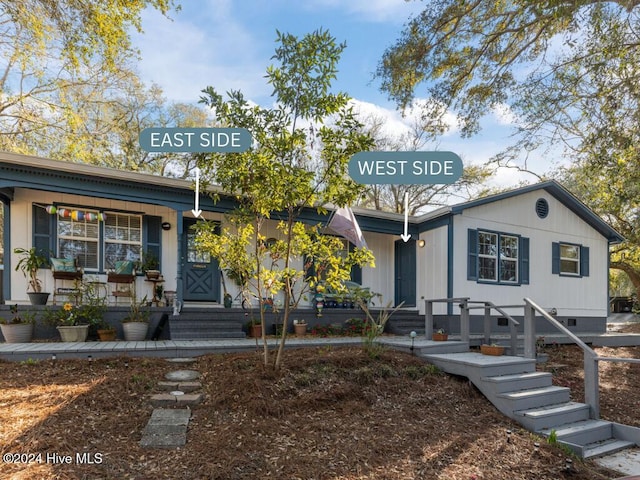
{"x":584,"y":261}
{"x":153,"y":235}
{"x":42,"y":228}
{"x":472,"y":254}
{"x":524,"y":260}
{"x":555,"y":258}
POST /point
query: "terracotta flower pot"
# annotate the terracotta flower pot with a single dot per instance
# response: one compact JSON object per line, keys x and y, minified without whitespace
{"x":107,"y":335}
{"x":495,"y":350}
{"x":300,"y":329}
{"x":439,"y":337}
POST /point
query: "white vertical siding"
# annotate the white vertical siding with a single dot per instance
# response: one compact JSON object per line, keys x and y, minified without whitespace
{"x":585,"y":296}
{"x":432,"y":268}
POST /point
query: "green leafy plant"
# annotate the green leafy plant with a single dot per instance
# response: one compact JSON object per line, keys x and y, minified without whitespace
{"x":139,"y":311}
{"x":30,"y":261}
{"x":18,"y":317}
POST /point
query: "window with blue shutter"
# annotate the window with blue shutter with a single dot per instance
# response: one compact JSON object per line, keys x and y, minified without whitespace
{"x":498,"y":258}
{"x":472,"y":255}
{"x":42,"y":228}
{"x":152,"y":231}
{"x":524,"y":260}
{"x":569,"y":259}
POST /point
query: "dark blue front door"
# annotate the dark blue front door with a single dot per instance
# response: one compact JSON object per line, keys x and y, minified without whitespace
{"x":201,"y":272}
{"x":405,"y":270}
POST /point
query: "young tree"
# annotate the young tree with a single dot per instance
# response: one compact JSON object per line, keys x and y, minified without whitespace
{"x":298,"y":161}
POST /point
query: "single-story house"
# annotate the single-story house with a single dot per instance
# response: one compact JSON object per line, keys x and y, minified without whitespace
{"x":538,"y":241}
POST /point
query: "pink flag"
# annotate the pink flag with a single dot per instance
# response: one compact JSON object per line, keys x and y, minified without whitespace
{"x":344,"y":223}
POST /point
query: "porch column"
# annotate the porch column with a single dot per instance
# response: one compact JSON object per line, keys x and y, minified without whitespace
{"x":5,"y":280}
{"x":179,"y":256}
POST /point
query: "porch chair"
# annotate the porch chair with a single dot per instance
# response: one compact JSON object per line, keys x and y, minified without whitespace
{"x":122,"y":278}
{"x":63,"y":270}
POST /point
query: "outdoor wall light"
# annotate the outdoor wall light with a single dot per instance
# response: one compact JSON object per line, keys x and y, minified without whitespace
{"x":166,"y":226}
{"x":413,"y":335}
{"x":421,"y":243}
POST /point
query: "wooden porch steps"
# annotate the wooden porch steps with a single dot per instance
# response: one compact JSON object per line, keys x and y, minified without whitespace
{"x":204,"y":326}
{"x":517,"y":390}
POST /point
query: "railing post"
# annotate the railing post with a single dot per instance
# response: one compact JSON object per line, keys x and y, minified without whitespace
{"x":428,"y":320}
{"x":513,"y":330}
{"x":591,"y":384}
{"x":465,"y":327}
{"x":529,"y":331}
{"x":487,"y":324}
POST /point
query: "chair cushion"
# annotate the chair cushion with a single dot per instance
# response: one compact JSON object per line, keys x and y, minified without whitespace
{"x":124,"y":267}
{"x":63,"y":265}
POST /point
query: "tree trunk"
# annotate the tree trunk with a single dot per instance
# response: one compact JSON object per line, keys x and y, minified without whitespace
{"x":632,"y":273}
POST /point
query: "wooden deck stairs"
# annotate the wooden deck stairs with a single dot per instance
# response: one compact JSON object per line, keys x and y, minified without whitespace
{"x":529,"y":397}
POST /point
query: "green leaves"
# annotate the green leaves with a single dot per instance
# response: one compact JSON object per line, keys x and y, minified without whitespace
{"x":299,"y":160}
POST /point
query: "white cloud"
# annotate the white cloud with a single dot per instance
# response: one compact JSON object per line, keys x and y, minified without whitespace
{"x":190,"y":52}
{"x":372,"y":10}
{"x":504,"y":115}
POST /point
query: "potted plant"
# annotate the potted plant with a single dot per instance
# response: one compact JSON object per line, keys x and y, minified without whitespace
{"x":106,"y":333}
{"x":20,"y":328}
{"x":493,"y":349}
{"x":440,"y":335}
{"x":136,"y":324}
{"x":30,"y":261}
{"x":254,"y":328}
{"x":71,"y":326}
{"x":300,"y":327}
{"x":150,"y":265}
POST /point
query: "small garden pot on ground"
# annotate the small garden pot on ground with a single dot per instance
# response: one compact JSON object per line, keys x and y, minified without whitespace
{"x":135,"y":331}
{"x":440,"y":337}
{"x":495,"y":350}
{"x":17,"y":332}
{"x":74,"y":333}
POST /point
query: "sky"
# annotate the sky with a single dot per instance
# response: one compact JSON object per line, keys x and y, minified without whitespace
{"x":228,"y":44}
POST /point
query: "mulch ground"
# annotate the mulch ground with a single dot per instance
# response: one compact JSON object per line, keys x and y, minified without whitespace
{"x":331,"y":413}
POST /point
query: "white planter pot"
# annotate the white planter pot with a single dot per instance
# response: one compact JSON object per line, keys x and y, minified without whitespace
{"x":76,"y":333}
{"x":135,"y":331}
{"x":17,"y":332}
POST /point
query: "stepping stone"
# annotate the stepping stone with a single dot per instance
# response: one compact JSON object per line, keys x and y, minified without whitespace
{"x":186,"y":387}
{"x":166,"y":428}
{"x":173,"y":399}
{"x":182,"y":375}
{"x":182,"y":360}
{"x":172,"y":416}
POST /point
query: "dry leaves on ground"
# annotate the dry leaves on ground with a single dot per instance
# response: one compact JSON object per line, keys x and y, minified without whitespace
{"x":333,"y":413}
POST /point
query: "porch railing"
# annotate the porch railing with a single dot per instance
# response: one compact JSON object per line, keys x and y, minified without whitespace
{"x":465,"y":318}
{"x":591,"y":358}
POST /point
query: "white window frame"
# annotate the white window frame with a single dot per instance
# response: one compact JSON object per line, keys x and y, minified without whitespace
{"x":492,"y":255}
{"x":84,"y":238}
{"x":503,"y":258}
{"x":127,"y":241}
{"x":573,"y":260}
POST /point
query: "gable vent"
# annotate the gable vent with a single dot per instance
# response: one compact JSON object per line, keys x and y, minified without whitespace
{"x":542,"y":208}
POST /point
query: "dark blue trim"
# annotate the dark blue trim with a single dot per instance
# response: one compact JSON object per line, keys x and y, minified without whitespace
{"x":450,"y":264}
{"x":432,"y":224}
{"x":6,"y":273}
